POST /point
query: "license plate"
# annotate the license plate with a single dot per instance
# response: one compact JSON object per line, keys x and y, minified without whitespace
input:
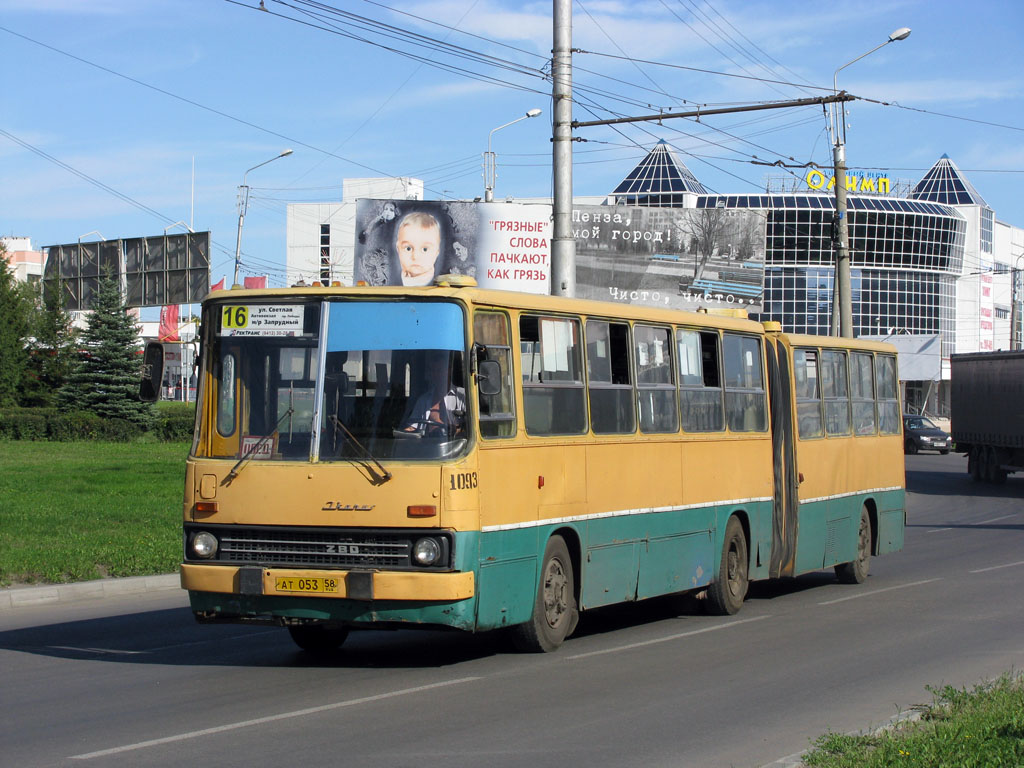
{"x":309,"y":585}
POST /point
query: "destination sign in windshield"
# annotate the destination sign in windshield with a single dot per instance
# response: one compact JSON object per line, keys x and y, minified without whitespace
{"x":261,"y":320}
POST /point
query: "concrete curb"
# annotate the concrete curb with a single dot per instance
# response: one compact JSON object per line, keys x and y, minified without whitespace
{"x":51,"y":594}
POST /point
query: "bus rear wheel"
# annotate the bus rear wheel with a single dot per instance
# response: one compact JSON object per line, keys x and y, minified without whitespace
{"x":316,"y":638}
{"x":554,"y":608}
{"x":856,"y":571}
{"x":727,"y":591}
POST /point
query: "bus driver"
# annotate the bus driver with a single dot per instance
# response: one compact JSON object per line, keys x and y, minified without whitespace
{"x":439,"y":408}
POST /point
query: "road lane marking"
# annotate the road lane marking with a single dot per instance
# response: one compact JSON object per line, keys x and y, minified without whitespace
{"x":100,"y":651}
{"x":994,"y":519}
{"x":997,"y":567}
{"x":667,"y":639}
{"x":878,"y":591}
{"x":971,"y":525}
{"x":230,"y":638}
{"x":269,"y":719}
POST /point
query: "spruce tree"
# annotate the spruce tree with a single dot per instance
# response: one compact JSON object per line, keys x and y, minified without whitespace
{"x":105,"y":378}
{"x":53,"y":349}
{"x":15,"y":311}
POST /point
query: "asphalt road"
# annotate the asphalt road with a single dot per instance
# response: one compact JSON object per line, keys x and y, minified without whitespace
{"x":132,"y":681}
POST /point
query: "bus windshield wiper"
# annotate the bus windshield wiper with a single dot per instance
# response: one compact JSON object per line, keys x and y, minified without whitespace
{"x":255,"y":446}
{"x":381,"y":475}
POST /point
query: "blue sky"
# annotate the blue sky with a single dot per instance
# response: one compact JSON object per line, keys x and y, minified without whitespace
{"x":226,"y":86}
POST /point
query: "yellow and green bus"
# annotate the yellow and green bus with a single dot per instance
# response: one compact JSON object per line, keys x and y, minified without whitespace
{"x":574,"y":454}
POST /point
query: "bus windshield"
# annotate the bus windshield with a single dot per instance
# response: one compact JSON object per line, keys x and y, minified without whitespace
{"x":391,"y":385}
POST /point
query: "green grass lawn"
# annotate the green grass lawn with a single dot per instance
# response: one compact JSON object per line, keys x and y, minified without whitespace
{"x":77,"y":511}
{"x":979,"y":728}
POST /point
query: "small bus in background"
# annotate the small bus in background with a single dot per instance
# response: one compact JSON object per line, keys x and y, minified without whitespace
{"x":567,"y":454}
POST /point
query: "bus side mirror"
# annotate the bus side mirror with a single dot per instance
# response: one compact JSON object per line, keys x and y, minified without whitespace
{"x":152,"y":372}
{"x":489,"y":377}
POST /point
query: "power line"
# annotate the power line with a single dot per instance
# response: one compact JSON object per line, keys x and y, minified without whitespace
{"x":704,"y":71}
{"x":941,"y":114}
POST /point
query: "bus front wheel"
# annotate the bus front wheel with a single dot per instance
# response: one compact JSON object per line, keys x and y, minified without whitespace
{"x":727,"y":591}
{"x":856,"y":572}
{"x":554,"y":608}
{"x":317,"y":639}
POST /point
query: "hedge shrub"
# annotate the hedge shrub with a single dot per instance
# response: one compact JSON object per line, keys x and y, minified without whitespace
{"x":173,"y":423}
{"x":74,"y":426}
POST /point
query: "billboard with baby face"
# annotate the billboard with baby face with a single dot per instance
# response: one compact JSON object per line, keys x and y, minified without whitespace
{"x":410,"y":242}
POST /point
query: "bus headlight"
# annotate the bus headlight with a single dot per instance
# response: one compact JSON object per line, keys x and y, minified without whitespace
{"x":426,"y":552}
{"x":204,"y":545}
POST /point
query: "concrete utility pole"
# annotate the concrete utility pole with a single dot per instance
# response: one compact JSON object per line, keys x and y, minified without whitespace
{"x":842,"y":294}
{"x":563,"y":246}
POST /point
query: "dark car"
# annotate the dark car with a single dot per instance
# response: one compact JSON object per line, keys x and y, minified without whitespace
{"x":921,"y":434}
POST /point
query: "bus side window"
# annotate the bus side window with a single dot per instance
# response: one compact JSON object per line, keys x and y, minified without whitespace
{"x":808,"y":393}
{"x":700,"y":381}
{"x":886,"y":390}
{"x":226,"y":395}
{"x":745,"y":409}
{"x":862,"y":389}
{"x":553,"y":394}
{"x":612,"y":409}
{"x":836,"y":391}
{"x":497,"y":412}
{"x":655,"y":379}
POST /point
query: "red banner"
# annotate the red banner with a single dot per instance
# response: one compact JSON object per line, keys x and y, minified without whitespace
{"x":256,"y":282}
{"x":218,"y":286}
{"x":169,"y":323}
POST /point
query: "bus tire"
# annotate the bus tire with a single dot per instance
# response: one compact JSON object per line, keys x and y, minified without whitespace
{"x":856,"y":571}
{"x":554,"y":608}
{"x":727,"y":591}
{"x":316,"y":638}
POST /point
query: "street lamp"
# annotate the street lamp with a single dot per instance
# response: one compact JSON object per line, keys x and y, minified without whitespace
{"x":1015,"y":301}
{"x":243,"y":205}
{"x":489,"y":160}
{"x":842,"y":310}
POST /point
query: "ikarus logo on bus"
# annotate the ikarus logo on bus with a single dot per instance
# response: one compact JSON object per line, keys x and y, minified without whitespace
{"x":338,"y":506}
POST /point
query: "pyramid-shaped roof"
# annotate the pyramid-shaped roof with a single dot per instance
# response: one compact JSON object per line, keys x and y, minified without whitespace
{"x":944,"y":183}
{"x":659,"y":179}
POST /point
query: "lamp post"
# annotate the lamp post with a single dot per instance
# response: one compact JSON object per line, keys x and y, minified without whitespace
{"x":243,"y":204}
{"x":1015,"y":299}
{"x":489,"y":161}
{"x":842,"y":305}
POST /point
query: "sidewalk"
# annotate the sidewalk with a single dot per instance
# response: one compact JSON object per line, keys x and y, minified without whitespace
{"x":21,"y":597}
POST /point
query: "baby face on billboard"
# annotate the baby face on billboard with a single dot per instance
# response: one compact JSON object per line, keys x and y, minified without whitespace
{"x":418,"y":242}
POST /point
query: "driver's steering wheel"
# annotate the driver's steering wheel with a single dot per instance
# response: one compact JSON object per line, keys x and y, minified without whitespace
{"x":424,"y":423}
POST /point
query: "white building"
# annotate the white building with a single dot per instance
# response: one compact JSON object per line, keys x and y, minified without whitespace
{"x":27,"y":263}
{"x":321,"y":236}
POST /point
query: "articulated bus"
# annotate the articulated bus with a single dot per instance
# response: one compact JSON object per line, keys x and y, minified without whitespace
{"x":581,"y":453}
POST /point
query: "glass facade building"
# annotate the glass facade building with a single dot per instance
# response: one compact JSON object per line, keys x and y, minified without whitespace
{"x":905,"y":257}
{"x":906,"y":254}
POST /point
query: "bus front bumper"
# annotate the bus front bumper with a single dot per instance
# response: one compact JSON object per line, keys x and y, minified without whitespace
{"x":309,"y":583}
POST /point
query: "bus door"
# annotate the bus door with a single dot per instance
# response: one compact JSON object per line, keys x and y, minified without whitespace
{"x":785,"y":502}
